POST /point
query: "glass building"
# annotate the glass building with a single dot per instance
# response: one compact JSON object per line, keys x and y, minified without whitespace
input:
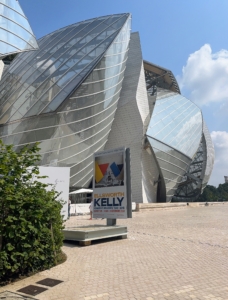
{"x":16,"y":35}
{"x":86,"y":89}
{"x":15,"y":32}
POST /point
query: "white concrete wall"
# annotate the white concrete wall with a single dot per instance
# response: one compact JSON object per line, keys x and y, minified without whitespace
{"x":1,"y":68}
{"x":150,"y":175}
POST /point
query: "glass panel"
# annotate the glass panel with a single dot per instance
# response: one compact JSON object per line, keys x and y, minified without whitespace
{"x":75,"y":103}
{"x":11,"y":100}
{"x":14,"y":16}
{"x":14,"y":28}
{"x":78,"y":146}
{"x":14,"y":40}
{"x":61,"y":63}
{"x":71,"y":73}
{"x":177,"y":122}
{"x":102,"y":74}
{"x":28,"y":102}
{"x":67,"y":130}
{"x":67,"y":76}
{"x":173,"y":164}
{"x":96,"y":87}
{"x":6,"y":48}
{"x":112,"y":60}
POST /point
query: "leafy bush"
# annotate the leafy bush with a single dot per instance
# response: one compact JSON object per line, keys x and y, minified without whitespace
{"x":30,"y":220}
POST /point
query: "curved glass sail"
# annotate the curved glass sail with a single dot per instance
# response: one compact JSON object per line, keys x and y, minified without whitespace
{"x":41,"y":81}
{"x":15,"y":32}
{"x":191,"y":186}
{"x":177,"y":122}
{"x":174,"y":132}
{"x":199,"y":171}
{"x":172,"y":164}
{"x":74,"y":120}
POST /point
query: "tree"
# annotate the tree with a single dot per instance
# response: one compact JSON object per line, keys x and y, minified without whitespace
{"x":30,"y":217}
{"x":213,"y":194}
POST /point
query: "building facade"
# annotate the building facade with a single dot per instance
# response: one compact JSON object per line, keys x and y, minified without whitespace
{"x":16,"y":35}
{"x":87,"y":89}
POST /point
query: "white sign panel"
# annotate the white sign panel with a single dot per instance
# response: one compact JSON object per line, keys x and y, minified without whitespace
{"x":60,"y":178}
{"x":109,"y":185}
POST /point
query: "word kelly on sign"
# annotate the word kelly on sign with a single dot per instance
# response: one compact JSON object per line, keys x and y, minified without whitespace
{"x":108,"y":199}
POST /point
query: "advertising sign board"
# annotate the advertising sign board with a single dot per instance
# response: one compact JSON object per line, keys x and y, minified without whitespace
{"x":110,"y":197}
{"x":60,"y":178}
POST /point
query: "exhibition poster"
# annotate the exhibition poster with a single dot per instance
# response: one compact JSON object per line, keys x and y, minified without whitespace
{"x":110,"y":190}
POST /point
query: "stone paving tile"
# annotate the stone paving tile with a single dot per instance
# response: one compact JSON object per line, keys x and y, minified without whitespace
{"x":169,"y":254}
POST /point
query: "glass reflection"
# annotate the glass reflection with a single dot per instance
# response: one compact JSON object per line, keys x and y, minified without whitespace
{"x":176,"y":121}
{"x":15,"y":31}
{"x":69,"y":51}
{"x":173,"y":164}
{"x":83,"y":119}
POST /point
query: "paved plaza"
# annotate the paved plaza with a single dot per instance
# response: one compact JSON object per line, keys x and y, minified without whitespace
{"x":169,"y":254}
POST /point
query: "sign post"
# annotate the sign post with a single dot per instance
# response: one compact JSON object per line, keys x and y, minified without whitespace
{"x":112,"y":185}
{"x":111,"y":197}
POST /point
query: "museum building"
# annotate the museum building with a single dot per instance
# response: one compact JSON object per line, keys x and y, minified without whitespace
{"x":87,"y":89}
{"x":16,"y":35}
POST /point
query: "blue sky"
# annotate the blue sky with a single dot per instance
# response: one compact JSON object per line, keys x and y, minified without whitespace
{"x":187,"y":37}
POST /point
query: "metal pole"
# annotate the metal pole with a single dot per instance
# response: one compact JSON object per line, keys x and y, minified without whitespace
{"x":111,"y":222}
{"x":128,"y":177}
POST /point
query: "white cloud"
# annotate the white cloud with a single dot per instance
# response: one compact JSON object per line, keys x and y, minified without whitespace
{"x":205,"y":76}
{"x":220,"y":140}
{"x":204,"y":80}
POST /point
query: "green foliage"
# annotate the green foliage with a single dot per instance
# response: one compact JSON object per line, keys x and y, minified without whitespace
{"x":30,"y":220}
{"x":9,"y":58}
{"x":213,"y":194}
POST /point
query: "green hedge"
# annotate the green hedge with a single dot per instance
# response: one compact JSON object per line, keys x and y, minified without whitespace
{"x":30,"y":220}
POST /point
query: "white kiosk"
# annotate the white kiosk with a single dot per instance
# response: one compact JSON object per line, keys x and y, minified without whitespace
{"x":60,"y":178}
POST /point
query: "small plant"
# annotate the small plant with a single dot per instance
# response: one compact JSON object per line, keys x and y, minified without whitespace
{"x":30,"y":217}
